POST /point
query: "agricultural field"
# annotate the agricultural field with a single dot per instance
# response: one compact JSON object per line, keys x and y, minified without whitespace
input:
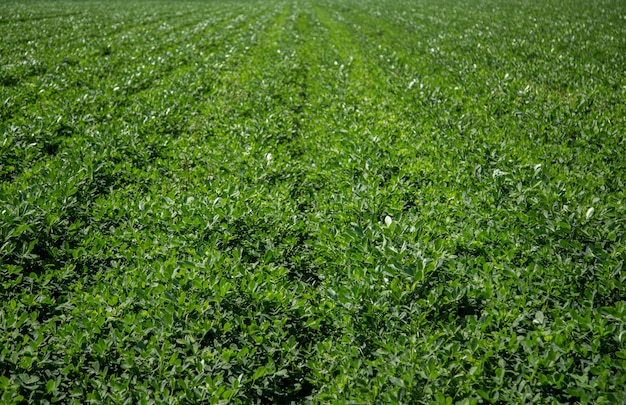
{"x":313,"y":201}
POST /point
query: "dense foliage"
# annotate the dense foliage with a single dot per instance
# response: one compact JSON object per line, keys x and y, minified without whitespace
{"x":351,"y":201}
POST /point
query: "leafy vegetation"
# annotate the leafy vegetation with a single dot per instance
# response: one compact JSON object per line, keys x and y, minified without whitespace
{"x":313,"y":200}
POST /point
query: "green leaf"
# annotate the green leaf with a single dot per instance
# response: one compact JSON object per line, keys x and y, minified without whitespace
{"x":50,"y":386}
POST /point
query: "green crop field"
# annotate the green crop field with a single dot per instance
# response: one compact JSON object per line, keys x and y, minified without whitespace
{"x":313,"y":201}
